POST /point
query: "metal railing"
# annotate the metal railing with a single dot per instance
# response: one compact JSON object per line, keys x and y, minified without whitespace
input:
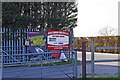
{"x":45,"y":57}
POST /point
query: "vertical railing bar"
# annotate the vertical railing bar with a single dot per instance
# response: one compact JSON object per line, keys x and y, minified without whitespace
{"x":4,"y":44}
{"x":23,"y":50}
{"x":9,"y":43}
{"x":17,"y":42}
{"x":12,"y":45}
{"x":27,"y":38}
{"x":20,"y":57}
{"x":16,"y":35}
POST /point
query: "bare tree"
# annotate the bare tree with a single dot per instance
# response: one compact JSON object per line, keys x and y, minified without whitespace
{"x":107,"y":31}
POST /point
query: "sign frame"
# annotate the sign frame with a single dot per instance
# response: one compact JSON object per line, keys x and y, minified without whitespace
{"x":58,"y":40}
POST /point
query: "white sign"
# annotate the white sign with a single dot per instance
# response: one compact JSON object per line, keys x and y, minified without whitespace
{"x":57,"y":40}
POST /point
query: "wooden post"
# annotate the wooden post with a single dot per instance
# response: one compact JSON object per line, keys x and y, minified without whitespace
{"x":83,"y":60}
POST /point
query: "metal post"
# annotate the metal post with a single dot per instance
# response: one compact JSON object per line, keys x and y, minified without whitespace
{"x":71,"y":39}
{"x":92,"y":60}
{"x":41,"y":63}
{"x":83,"y":60}
{"x":75,"y":63}
{"x":1,"y":54}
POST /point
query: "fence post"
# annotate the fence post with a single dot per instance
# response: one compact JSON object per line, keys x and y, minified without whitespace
{"x":71,"y":41}
{"x":1,"y":54}
{"x":92,"y":60}
{"x":84,"y":60}
{"x":75,"y":63}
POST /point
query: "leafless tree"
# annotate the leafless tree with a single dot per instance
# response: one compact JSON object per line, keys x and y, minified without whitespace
{"x":107,"y":31}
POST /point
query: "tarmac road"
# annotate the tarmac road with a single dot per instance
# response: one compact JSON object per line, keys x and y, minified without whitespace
{"x":106,"y":65}
{"x":55,"y":71}
{"x":102,"y":58}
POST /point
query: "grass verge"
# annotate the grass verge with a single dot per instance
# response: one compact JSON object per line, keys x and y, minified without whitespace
{"x":44,"y":64}
{"x":102,"y":78}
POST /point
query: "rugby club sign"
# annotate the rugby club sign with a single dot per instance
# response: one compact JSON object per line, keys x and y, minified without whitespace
{"x":57,"y":40}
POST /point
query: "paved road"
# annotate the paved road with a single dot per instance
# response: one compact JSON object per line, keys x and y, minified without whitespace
{"x":102,"y":58}
{"x":55,"y":72}
{"x":109,"y":68}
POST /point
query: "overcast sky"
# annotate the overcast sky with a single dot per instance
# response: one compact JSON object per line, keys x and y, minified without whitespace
{"x":93,"y":15}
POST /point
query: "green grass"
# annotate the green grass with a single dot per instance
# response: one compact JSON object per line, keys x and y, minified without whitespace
{"x":44,"y":64}
{"x":101,"y":78}
{"x":57,"y":63}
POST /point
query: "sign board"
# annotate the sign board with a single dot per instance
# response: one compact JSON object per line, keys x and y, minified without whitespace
{"x":36,"y":39}
{"x":57,"y":40}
